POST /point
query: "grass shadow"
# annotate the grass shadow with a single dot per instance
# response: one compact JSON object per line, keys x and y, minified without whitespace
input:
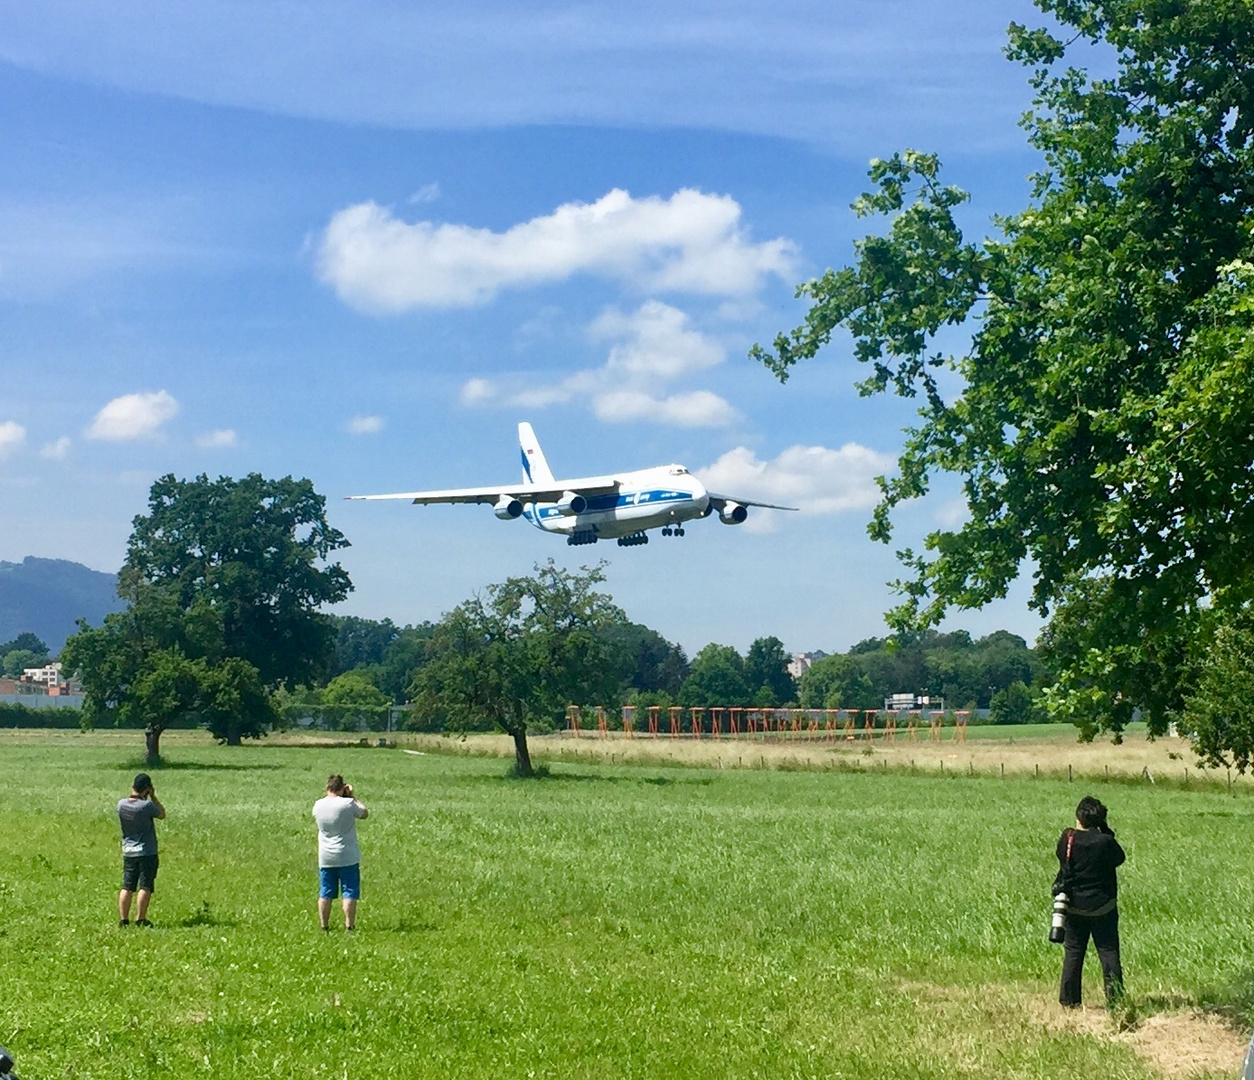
{"x":202,"y":916}
{"x":1233,"y":1000}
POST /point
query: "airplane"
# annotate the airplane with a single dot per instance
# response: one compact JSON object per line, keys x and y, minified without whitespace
{"x":622,"y":506}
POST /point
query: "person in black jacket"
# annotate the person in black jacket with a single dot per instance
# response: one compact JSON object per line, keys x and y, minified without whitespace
{"x":1087,"y":858}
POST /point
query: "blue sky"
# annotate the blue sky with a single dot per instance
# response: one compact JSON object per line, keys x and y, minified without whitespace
{"x":360,"y":241}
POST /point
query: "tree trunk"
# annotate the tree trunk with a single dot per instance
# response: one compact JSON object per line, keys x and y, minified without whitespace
{"x":152,"y":743}
{"x":522,"y":758}
{"x":232,"y":738}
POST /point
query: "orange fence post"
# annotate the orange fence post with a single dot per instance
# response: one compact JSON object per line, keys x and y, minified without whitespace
{"x":868,"y":730}
{"x":751,"y":721}
{"x":653,"y":715}
{"x":572,"y":719}
{"x":912,"y":726}
{"x":629,"y":721}
{"x":603,"y":723}
{"x":934,"y":722}
{"x":716,"y":722}
{"x":676,"y":712}
{"x":829,"y":724}
{"x":794,"y":716}
{"x":697,"y":714}
{"x":851,"y":718}
{"x":960,"y":726}
{"x":812,"y":726}
{"x":734,"y":715}
{"x":890,"y":727}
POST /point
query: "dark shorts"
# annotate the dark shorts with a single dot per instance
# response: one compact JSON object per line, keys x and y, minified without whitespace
{"x":139,"y":872}
{"x":331,"y":879}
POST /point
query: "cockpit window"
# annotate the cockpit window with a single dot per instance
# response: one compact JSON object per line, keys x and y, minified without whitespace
{"x":679,"y":470}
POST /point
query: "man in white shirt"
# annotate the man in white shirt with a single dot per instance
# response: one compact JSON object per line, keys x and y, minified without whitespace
{"x":339,"y":857}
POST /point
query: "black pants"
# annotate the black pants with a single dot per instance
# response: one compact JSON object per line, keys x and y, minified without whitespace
{"x":1104,"y":930}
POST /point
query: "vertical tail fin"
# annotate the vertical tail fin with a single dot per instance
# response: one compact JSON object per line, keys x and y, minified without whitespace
{"x":535,"y":468}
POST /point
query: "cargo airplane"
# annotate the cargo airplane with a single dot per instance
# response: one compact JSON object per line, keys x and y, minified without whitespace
{"x":621,"y":506}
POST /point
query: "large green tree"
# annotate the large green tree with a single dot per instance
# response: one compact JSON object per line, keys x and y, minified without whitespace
{"x":1104,"y":428}
{"x":516,"y":655}
{"x":223,"y":582}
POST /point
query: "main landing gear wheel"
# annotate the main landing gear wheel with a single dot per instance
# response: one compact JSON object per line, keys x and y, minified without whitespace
{"x":668,"y":530}
{"x":586,"y":536}
{"x":633,"y":539}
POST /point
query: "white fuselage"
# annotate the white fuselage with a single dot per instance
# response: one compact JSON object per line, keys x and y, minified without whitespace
{"x":665,"y":495}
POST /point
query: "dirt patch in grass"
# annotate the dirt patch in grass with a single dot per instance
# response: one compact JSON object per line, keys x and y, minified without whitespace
{"x":1188,"y":1044}
{"x":1181,"y":1045}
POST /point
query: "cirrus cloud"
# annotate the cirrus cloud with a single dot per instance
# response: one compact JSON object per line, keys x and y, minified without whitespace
{"x":133,"y":416}
{"x":692,"y":242}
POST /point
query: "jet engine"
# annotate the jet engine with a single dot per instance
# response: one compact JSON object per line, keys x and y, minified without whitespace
{"x":732,"y":514}
{"x":507,"y":509}
{"x":571,"y":504}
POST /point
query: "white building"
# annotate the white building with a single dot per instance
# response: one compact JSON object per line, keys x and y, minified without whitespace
{"x":45,"y":676}
{"x":802,"y":661}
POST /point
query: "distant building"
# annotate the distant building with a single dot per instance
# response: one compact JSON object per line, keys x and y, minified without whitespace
{"x":44,"y":676}
{"x":802,"y":661}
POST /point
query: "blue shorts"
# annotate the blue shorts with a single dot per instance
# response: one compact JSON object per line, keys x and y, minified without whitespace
{"x":333,"y":879}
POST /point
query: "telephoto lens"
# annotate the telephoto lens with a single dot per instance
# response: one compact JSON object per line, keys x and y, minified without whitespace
{"x":1059,"y":917}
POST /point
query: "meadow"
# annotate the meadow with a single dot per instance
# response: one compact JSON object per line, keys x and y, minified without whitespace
{"x":641,"y":920}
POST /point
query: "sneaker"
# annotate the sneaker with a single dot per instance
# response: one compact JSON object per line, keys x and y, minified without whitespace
{"x":142,"y":922}
{"x":122,"y":923}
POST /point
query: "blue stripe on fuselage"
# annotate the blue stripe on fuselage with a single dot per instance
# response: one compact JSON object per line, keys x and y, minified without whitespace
{"x":604,"y":503}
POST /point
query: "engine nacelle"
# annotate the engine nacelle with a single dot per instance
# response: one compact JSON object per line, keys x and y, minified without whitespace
{"x":733,"y":514}
{"x":507,"y":509}
{"x":571,"y":504}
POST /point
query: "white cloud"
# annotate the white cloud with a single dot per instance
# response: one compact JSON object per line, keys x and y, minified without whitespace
{"x":815,"y":479}
{"x":213,"y":440}
{"x":364,"y":425}
{"x":133,"y":416}
{"x":425,"y":194}
{"x":651,"y":347}
{"x":12,"y":437}
{"x":691,"y":242}
{"x":57,"y":451}
{"x":700,"y":408}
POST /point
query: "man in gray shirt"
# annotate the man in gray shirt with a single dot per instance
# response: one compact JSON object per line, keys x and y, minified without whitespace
{"x":137,"y":812}
{"x":339,"y":857}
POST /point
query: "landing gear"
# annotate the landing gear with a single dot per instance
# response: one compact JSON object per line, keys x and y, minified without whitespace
{"x":633,"y":539}
{"x":583,"y":536}
{"x":672,"y":530}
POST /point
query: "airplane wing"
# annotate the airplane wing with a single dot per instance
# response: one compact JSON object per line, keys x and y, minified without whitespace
{"x":541,"y":493}
{"x":719,"y":502}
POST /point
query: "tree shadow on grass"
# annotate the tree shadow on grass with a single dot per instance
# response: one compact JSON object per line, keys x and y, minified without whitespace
{"x":141,"y":765}
{"x":543,"y":775}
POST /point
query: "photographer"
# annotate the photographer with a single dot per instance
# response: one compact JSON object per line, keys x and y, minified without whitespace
{"x":136,"y":813}
{"x":339,"y":858}
{"x":1087,"y":858}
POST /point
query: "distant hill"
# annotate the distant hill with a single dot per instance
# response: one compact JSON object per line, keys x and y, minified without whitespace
{"x":47,"y":596}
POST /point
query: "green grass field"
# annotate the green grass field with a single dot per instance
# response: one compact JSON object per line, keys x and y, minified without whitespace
{"x":605,"y":922}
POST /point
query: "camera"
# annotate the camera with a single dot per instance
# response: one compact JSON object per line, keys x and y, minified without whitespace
{"x":1058,"y":919}
{"x":6,"y":1065}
